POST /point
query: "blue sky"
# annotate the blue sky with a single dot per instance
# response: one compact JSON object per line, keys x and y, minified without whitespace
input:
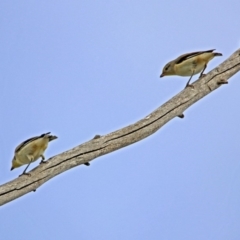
{"x":81,"y":68}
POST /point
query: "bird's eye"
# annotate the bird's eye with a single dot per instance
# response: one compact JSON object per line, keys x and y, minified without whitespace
{"x":167,"y":67}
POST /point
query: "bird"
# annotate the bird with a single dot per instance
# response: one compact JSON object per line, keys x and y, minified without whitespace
{"x":189,"y":64}
{"x":31,"y":150}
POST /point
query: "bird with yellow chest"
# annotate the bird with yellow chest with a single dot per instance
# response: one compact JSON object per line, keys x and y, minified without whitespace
{"x":189,"y":64}
{"x":31,"y":150}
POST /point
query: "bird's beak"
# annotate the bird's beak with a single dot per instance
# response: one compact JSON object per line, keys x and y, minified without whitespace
{"x":162,"y":75}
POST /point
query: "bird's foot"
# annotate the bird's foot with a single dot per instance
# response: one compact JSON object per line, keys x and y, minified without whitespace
{"x":202,"y":75}
{"x":189,"y":85}
{"x":27,"y":174}
{"x":43,"y":162}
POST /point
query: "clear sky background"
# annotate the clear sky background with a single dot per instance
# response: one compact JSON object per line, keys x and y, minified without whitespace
{"x":81,"y":68}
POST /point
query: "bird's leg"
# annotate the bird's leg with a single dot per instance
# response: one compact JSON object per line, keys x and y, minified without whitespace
{"x":189,"y":85}
{"x":43,"y":158}
{"x":201,"y":74}
{"x":194,"y":65}
{"x":24,"y":172}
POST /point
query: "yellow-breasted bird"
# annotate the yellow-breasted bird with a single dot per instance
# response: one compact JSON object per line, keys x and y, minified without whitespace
{"x":189,"y":64}
{"x":30,"y":150}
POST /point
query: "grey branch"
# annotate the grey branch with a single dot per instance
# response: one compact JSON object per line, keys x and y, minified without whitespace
{"x":101,"y":145}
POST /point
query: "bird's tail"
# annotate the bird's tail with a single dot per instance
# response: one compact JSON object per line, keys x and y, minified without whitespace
{"x":217,"y":54}
{"x":51,"y":137}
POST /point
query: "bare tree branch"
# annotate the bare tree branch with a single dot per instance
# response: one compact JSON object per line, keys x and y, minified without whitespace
{"x":101,"y":145}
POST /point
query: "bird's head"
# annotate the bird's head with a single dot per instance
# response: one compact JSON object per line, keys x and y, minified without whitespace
{"x":168,"y":70}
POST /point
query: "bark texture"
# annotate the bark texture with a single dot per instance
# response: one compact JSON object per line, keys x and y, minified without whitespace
{"x":101,"y":145}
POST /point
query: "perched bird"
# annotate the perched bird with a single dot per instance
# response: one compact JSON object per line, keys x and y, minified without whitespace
{"x":189,"y":64}
{"x":30,"y":150}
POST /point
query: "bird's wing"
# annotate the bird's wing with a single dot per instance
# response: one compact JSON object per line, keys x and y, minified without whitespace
{"x":23,"y":144}
{"x":190,"y":55}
